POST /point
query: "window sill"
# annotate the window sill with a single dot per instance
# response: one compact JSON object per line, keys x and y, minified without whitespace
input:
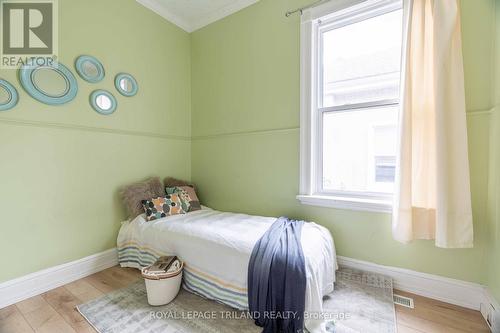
{"x":370,"y":205}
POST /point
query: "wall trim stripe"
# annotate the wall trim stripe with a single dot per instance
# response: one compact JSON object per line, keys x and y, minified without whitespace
{"x":36,"y":283}
{"x":470,"y":113}
{"x":246,"y":133}
{"x":480,"y":112}
{"x":43,"y":124}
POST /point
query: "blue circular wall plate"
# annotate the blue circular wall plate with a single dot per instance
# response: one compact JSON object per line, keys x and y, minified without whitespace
{"x":13,"y":95}
{"x":95,"y":103}
{"x":26,"y":76}
{"x":133,"y":88}
{"x":80,"y":64}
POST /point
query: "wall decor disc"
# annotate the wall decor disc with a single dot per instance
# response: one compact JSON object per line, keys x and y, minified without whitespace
{"x":52,"y":84}
{"x":103,"y":102}
{"x":126,"y":84}
{"x":8,"y":95}
{"x":89,"y":68}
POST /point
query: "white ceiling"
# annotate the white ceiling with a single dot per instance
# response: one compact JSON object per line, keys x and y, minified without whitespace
{"x":191,"y":15}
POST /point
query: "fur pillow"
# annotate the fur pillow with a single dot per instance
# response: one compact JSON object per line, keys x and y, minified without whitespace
{"x":133,"y":195}
{"x":172,"y":182}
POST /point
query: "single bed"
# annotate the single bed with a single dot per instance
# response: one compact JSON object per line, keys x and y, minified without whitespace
{"x":216,"y":247}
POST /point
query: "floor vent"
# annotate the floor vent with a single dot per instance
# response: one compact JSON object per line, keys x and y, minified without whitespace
{"x":403,"y":301}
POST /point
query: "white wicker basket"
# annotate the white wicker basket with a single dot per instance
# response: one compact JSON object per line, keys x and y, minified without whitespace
{"x":162,"y":286}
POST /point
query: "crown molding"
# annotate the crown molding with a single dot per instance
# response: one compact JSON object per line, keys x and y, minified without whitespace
{"x":221,"y":13}
{"x":166,"y":14}
{"x":189,"y":27}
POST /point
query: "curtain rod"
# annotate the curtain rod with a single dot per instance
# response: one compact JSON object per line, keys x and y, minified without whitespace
{"x":301,"y":9}
{"x":311,"y":5}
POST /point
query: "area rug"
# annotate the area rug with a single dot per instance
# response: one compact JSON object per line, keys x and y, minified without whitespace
{"x":361,"y":302}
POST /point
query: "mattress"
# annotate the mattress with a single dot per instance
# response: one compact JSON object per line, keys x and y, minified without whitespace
{"x":216,"y":247}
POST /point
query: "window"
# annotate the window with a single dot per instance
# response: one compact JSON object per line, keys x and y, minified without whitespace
{"x":351,"y":64}
{"x":385,"y":166}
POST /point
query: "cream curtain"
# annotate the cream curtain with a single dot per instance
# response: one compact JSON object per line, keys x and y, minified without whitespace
{"x":432,"y":197}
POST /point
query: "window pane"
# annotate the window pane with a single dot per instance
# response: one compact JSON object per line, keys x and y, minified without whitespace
{"x":359,"y":150}
{"x":361,"y":61}
{"x":385,"y":169}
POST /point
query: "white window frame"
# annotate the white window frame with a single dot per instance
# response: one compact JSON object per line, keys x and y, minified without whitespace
{"x":334,"y":14}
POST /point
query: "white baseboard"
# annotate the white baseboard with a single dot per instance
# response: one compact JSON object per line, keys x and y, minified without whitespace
{"x":466,"y":294}
{"x":36,"y":283}
{"x":490,"y":310}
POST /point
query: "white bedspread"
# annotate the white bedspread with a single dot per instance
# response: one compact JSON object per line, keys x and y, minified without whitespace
{"x":219,"y":244}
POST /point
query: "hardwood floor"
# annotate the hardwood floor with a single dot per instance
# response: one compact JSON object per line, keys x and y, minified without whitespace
{"x":434,"y":316}
{"x":54,"y":311}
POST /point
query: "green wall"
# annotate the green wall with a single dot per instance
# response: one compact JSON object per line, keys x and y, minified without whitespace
{"x":61,"y":166}
{"x":493,"y":235}
{"x":220,"y":105}
{"x":493,"y":240}
{"x":245,"y":128}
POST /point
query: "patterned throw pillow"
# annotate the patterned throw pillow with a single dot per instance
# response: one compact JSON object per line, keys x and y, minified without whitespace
{"x":163,"y":206}
{"x":194,"y":202}
{"x":183,"y":195}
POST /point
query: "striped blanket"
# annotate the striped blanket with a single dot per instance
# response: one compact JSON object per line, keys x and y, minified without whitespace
{"x":194,"y":280}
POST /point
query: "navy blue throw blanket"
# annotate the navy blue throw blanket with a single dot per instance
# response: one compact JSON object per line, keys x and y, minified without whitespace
{"x":277,"y":279}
